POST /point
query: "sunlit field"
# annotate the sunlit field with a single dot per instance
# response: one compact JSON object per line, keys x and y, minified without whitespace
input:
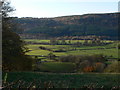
{"x":108,"y":50}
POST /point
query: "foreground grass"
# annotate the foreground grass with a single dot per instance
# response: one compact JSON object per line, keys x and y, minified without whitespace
{"x":65,"y":80}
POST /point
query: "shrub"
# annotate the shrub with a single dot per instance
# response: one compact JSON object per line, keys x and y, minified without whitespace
{"x":88,"y":69}
{"x":99,"y":67}
{"x":114,"y":67}
{"x":86,"y":63}
{"x":83,"y":64}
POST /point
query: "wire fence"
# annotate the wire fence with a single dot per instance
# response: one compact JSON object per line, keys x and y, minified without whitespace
{"x":37,"y":84}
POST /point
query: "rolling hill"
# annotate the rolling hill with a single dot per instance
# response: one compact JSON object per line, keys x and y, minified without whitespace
{"x":76,"y":25}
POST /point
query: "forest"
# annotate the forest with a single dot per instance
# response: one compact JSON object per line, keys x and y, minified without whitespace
{"x":77,"y":25}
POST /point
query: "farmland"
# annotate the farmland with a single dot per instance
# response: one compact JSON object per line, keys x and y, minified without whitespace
{"x":66,"y":66}
{"x":109,"y":50}
{"x":54,"y":80}
{"x":50,"y":57}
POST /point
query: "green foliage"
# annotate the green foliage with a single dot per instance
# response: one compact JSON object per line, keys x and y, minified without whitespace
{"x":118,"y":46}
{"x":114,"y":67}
{"x":91,"y":58}
{"x":99,"y":67}
{"x":13,"y":50}
{"x":12,"y":44}
{"x":93,"y":63}
{"x":18,"y":63}
{"x":51,"y":56}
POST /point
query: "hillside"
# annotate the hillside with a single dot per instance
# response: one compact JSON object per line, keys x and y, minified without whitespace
{"x":76,"y":25}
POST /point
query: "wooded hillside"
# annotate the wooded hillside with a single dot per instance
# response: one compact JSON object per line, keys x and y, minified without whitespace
{"x":77,"y":25}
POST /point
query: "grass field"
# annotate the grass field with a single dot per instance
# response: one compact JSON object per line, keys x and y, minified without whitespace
{"x":62,"y":74}
{"x":52,"y":65}
{"x":64,"y":80}
{"x":109,"y":50}
{"x":56,"y":67}
{"x":36,"y":41}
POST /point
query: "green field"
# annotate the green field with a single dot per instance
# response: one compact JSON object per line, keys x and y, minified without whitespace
{"x":63,"y":80}
{"x":53,"y":65}
{"x":36,"y":40}
{"x":56,"y":67}
{"x":49,"y":72}
{"x":109,"y":50}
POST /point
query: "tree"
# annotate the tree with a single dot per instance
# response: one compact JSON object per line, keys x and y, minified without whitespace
{"x":54,"y":41}
{"x":63,"y":41}
{"x":6,"y":8}
{"x":86,"y":42}
{"x":51,"y":55}
{"x":13,"y":50}
{"x":118,"y":45}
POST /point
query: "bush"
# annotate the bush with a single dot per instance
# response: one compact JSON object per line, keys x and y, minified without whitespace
{"x":83,"y":65}
{"x":93,"y":63}
{"x":92,"y":58}
{"x":99,"y":67}
{"x":114,"y":67}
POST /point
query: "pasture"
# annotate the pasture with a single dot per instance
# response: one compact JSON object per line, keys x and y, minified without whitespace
{"x":109,"y":50}
{"x":56,"y":67}
{"x":61,"y":80}
{"x":52,"y":73}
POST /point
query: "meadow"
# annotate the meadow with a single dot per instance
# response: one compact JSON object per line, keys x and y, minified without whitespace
{"x":49,"y":54}
{"x":65,"y":80}
{"x":56,"y":67}
{"x":109,"y":50}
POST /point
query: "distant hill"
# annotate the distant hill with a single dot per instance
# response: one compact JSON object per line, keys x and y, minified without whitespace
{"x":76,"y":25}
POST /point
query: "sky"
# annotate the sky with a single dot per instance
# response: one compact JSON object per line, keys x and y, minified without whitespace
{"x":56,"y":8}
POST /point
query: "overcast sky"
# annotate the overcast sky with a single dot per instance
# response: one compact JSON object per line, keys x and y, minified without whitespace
{"x":55,"y":8}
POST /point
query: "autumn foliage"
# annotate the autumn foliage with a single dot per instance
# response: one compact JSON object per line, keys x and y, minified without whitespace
{"x":88,"y":69}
